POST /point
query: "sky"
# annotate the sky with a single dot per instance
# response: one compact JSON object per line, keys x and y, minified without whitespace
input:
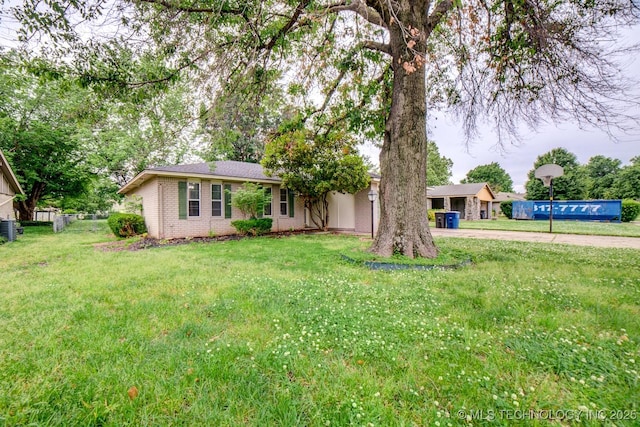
{"x":518,"y":160}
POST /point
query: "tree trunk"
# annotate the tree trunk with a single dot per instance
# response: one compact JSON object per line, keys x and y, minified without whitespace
{"x":25,"y":210}
{"x":28,"y":206}
{"x":404,"y":226}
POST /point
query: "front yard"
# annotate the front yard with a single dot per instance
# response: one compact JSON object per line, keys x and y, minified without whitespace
{"x":281,"y":331}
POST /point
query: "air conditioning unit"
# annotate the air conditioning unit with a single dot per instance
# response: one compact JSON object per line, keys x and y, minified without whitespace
{"x":8,"y":230}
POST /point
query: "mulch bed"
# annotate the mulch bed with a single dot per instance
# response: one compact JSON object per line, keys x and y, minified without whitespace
{"x":148,"y":242}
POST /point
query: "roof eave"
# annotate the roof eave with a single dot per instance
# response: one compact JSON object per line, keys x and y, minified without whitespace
{"x":12,"y":179}
{"x":145,"y":175}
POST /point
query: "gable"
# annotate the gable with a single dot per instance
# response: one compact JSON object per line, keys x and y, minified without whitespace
{"x":480,"y":190}
{"x":9,"y":183}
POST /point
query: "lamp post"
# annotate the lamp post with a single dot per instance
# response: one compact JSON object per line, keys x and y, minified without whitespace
{"x":372,"y":198}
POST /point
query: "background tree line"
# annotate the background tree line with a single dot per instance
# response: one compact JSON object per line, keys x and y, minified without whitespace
{"x":600,"y":178}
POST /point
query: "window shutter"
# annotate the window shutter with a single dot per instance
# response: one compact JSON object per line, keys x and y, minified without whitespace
{"x":227,"y":200}
{"x":291,"y":203}
{"x":182,"y":200}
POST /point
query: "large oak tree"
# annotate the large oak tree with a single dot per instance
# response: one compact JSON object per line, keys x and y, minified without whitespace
{"x":377,"y":64}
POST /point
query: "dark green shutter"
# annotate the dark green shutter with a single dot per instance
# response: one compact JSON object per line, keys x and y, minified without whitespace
{"x":182,"y":200}
{"x":227,"y":200}
{"x":261,"y":205}
{"x":291,"y":203}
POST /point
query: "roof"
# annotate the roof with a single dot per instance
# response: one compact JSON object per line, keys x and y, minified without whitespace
{"x":227,"y":168}
{"x":503,"y":196}
{"x":458,"y":190}
{"x":9,"y":175}
{"x":222,"y":169}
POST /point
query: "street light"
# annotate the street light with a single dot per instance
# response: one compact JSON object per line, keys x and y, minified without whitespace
{"x":372,"y":198}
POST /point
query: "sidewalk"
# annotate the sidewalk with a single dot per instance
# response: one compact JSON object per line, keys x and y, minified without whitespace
{"x":568,"y":239}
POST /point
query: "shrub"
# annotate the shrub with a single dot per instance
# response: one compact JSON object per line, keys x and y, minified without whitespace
{"x":630,"y":210}
{"x":250,"y":199}
{"x":126,"y":225}
{"x":507,"y":208}
{"x":253,"y":227}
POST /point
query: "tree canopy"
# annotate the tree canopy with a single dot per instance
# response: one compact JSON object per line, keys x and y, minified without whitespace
{"x":601,"y":174}
{"x":438,"y":167}
{"x":493,"y":174}
{"x":627,"y":182}
{"x":40,"y":125}
{"x":313,"y":164}
{"x":570,"y":186}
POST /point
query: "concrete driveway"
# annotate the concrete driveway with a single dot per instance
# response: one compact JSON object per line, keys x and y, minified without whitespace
{"x":569,"y":239}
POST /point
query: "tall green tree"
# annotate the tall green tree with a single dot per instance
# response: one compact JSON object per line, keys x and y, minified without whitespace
{"x":438,"y":167}
{"x":376,"y":64}
{"x":39,"y":122}
{"x":601,"y":173}
{"x":237,"y":127}
{"x":493,"y":174}
{"x":571,"y":186}
{"x":627,"y":181}
{"x":135,"y":134}
{"x":313,"y":164}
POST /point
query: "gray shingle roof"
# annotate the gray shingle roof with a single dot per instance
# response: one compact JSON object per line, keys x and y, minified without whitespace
{"x":455,"y":190}
{"x":228,"y":168}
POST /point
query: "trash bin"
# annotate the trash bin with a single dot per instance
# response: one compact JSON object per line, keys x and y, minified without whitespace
{"x":441,"y":221}
{"x":483,"y":214}
{"x":453,"y":219}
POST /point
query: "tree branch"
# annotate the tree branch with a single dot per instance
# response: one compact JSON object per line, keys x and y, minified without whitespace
{"x":380,"y":47}
{"x":288,"y":26}
{"x":438,"y":13}
{"x":360,"y":8}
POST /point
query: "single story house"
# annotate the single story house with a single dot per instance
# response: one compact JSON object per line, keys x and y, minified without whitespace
{"x":192,"y":200}
{"x":473,"y":201}
{"x":9,"y":188}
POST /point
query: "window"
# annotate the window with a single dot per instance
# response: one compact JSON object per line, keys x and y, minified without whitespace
{"x":193,"y":194}
{"x":267,"y":205}
{"x":284,"y":201}
{"x":216,"y":200}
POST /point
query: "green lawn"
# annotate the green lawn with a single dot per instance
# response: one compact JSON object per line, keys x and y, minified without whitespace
{"x":570,"y":227}
{"x":281,"y":331}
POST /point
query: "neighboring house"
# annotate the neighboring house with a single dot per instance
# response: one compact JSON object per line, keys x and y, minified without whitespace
{"x":473,"y":201}
{"x":503,"y":197}
{"x":9,"y":188}
{"x":192,"y":200}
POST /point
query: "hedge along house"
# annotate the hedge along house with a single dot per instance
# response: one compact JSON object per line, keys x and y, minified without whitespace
{"x":473,"y":201}
{"x":195,"y":200}
{"x":9,"y":189}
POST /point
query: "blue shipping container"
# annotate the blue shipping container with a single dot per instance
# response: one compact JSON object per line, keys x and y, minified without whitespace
{"x":581,"y":210}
